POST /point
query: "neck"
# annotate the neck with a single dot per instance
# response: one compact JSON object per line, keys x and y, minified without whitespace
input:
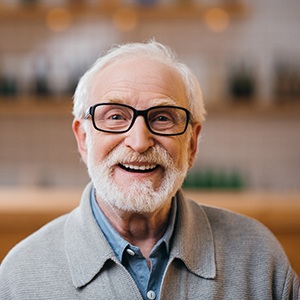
{"x":139,"y":229}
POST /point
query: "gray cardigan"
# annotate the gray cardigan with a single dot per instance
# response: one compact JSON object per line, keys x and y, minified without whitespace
{"x":215,"y":254}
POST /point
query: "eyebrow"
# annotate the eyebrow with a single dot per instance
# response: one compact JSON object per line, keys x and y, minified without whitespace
{"x":156,"y":102}
{"x":116,"y":100}
{"x":165,"y":101}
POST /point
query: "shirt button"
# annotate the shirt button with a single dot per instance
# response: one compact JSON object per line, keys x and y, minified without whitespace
{"x":151,"y":295}
{"x":130,"y":252}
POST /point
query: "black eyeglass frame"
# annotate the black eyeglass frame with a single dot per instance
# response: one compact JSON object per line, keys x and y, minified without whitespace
{"x":136,"y":113}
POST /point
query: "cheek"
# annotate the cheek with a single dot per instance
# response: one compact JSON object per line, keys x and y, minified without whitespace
{"x":101,"y":144}
{"x":177,"y":149}
{"x":185,"y":150}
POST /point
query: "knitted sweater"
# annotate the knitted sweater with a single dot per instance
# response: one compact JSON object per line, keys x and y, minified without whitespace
{"x":215,"y":254}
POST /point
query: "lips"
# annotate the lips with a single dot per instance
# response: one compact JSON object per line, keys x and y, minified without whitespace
{"x":145,"y":168}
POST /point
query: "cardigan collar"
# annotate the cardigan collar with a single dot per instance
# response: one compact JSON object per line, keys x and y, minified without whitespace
{"x":87,"y":249}
{"x":193,"y":240}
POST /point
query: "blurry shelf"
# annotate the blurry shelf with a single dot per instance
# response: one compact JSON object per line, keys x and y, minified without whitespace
{"x":29,"y":105}
{"x":62,"y":105}
{"x":280,"y":111}
{"x":189,"y":11}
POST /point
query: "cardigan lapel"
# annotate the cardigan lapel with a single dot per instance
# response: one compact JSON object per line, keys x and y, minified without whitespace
{"x":86,"y":247}
{"x":193,"y":239}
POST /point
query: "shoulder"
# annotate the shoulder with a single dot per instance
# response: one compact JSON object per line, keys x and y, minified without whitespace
{"x":247,"y":247}
{"x":219,"y":217}
{"x":44,"y":242}
{"x":38,"y":259}
{"x":244,"y":253}
{"x":229,"y":223}
{"x":35,"y":248}
{"x":239,"y":234}
{"x":47,"y":237}
{"x":223,"y":219}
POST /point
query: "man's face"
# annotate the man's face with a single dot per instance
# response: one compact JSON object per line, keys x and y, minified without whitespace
{"x":138,"y":170}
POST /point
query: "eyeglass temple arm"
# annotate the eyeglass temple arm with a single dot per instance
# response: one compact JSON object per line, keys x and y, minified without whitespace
{"x":88,"y":113}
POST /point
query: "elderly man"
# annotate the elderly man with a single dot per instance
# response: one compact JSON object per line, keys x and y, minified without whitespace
{"x":138,"y":114}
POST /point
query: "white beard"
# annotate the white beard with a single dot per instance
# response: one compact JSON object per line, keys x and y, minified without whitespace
{"x":139,"y":196}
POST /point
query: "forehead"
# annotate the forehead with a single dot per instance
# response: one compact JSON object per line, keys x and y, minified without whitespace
{"x":138,"y":80}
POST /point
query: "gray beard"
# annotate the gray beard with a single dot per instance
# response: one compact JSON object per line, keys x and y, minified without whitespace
{"x":138,"y":196}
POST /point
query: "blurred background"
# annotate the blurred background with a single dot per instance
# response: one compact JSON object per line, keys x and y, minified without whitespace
{"x":245,"y":53}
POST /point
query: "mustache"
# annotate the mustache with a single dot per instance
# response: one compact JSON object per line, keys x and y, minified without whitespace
{"x":154,"y":155}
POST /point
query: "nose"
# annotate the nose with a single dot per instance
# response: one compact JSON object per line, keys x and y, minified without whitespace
{"x":139,"y":138}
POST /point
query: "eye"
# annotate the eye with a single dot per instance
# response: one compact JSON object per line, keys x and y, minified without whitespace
{"x":116,"y":114}
{"x":161,"y":118}
{"x":116,"y":117}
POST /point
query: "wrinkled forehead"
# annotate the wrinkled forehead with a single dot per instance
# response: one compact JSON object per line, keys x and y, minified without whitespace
{"x":138,"y":76}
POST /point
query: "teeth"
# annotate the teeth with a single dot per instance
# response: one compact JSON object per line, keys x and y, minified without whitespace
{"x":142,"y":168}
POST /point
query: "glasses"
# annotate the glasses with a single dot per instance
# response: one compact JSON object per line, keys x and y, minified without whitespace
{"x":119,"y":118}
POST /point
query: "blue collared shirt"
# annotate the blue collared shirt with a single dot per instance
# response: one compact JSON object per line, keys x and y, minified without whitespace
{"x":147,"y":280}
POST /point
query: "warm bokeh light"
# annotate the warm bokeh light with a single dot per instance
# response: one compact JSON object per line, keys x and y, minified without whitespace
{"x":58,"y":19}
{"x":125,"y":19}
{"x":216,"y":19}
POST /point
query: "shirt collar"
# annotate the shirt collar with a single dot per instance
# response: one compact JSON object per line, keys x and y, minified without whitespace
{"x":87,"y":249}
{"x":117,"y":243}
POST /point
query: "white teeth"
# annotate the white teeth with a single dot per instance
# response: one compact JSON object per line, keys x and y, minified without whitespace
{"x":142,"y":168}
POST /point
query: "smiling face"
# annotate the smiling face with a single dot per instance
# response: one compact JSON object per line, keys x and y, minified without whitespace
{"x":137,"y":170}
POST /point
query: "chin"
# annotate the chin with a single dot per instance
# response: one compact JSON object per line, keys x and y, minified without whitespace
{"x":139,"y":196}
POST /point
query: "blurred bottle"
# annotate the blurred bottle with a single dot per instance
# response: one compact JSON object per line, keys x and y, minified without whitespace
{"x":242,"y":84}
{"x":8,"y":86}
{"x":8,"y":80}
{"x":147,"y":2}
{"x":29,"y":2}
{"x":185,"y":2}
{"x":211,"y":179}
{"x":287,"y":82}
{"x":41,"y":77}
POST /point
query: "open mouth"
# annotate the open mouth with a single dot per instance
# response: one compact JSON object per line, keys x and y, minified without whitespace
{"x":139,"y":168}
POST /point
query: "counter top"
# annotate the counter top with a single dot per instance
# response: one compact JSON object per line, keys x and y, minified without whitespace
{"x":282,"y":209}
{"x":24,"y":210}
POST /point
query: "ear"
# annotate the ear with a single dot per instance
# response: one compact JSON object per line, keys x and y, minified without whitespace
{"x":80,"y":135}
{"x":196,"y":129}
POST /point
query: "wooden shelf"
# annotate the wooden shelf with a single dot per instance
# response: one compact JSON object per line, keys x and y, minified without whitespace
{"x":255,"y":109}
{"x":36,"y":105}
{"x":38,"y":12}
{"x":62,"y":105}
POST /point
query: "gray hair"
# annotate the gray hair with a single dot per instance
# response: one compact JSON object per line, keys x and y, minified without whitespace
{"x":154,"y":50}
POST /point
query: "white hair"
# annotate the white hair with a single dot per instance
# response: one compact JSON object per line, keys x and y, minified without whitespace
{"x":154,"y":50}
